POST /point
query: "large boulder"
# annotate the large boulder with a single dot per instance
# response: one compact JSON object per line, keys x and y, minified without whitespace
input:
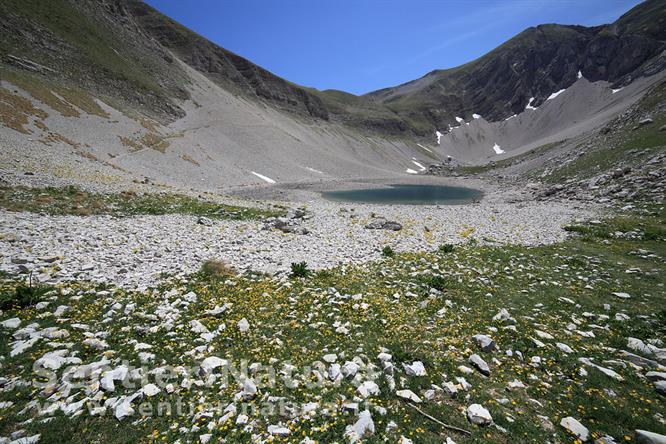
{"x":574,"y":427}
{"x":479,"y":415}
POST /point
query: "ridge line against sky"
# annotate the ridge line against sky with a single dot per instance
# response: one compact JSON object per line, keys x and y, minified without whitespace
{"x":359,"y":46}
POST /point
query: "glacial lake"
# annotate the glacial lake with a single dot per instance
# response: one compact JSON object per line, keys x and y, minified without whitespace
{"x":407,"y":194}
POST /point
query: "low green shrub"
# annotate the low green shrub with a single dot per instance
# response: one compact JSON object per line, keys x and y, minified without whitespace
{"x":446,"y":248}
{"x":300,"y":269}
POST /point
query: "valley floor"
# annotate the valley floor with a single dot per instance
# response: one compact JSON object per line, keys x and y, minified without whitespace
{"x":137,"y":249}
{"x":508,"y":320}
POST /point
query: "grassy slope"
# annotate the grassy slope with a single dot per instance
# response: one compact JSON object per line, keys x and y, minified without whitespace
{"x":93,"y":41}
{"x":73,"y":201}
{"x":88,"y":51}
{"x":294,"y":322}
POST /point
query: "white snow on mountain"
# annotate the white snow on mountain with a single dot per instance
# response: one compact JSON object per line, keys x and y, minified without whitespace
{"x":262,"y":177}
{"x":419,"y":165}
{"x":555,"y":94}
{"x":428,"y":149}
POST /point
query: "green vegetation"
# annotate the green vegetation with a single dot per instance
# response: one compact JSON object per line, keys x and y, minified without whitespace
{"x":446,"y":248}
{"x":74,"y":201}
{"x":43,"y":91}
{"x":300,"y":269}
{"x":21,"y":296}
{"x":649,"y":229}
{"x":92,"y":40}
{"x":418,"y":307}
{"x":387,"y":251}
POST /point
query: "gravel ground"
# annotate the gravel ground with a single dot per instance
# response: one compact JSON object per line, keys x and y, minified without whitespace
{"x":133,"y":251}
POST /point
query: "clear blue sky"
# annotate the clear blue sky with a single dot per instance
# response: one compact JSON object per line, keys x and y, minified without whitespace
{"x":362,"y":45}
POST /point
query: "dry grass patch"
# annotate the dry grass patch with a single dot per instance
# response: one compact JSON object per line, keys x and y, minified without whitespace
{"x":46,"y":96}
{"x":84,"y":101}
{"x":148,"y":124}
{"x":87,"y":155}
{"x":58,"y":138}
{"x":190,"y":159}
{"x":128,"y":142}
{"x":16,"y":111}
{"x":155,"y":142}
{"x":217,"y":269}
{"x":41,"y":125}
{"x":64,"y":100}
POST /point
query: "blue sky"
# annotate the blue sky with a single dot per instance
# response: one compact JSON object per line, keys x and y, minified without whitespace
{"x":359,"y":46}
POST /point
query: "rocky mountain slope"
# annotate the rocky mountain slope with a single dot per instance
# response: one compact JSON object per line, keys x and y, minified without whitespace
{"x":114,"y":88}
{"x":531,"y":66}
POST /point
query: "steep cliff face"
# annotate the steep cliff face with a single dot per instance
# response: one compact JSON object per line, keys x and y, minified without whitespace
{"x":124,"y":49}
{"x":224,"y":67}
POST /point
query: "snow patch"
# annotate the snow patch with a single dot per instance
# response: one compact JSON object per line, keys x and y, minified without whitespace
{"x":262,"y":177}
{"x":419,"y":165}
{"x":476,"y":116}
{"x":498,"y":150}
{"x":428,"y":149}
{"x":529,"y":104}
{"x":555,"y":94}
{"x":613,"y":91}
{"x":313,"y":170}
{"x":439,"y":136}
{"x":510,"y":117}
{"x":411,"y":171}
{"x":460,"y":120}
{"x":580,"y":74}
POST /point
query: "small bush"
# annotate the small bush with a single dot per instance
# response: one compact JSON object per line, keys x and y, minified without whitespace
{"x":576,"y":229}
{"x":216,"y":269}
{"x":388,"y":251}
{"x":437,"y":282}
{"x":22,"y":296}
{"x":446,"y":248}
{"x":300,"y":269}
{"x":324,"y":275}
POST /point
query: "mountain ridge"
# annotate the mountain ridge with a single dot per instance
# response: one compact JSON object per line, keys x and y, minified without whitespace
{"x":535,"y":63}
{"x":595,"y":52}
{"x":124,"y":87}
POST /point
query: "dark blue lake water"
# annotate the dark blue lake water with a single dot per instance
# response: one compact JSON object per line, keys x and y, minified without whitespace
{"x":406,"y":194}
